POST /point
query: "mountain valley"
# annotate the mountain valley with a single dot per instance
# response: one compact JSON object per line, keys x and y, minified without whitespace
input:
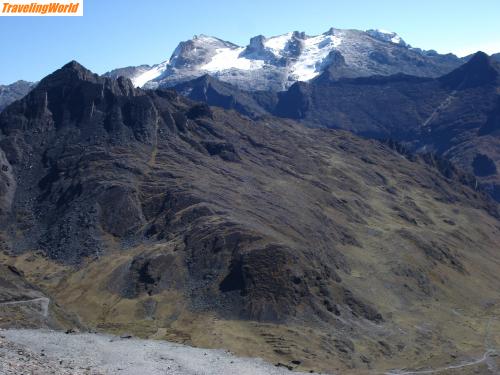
{"x":143,"y":212}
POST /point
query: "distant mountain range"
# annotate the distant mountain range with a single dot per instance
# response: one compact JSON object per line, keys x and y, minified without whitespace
{"x":277,"y":62}
{"x":14,"y":91}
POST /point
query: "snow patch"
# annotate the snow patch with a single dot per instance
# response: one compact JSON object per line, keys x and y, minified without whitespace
{"x":316,"y":50}
{"x":277,"y":44}
{"x":141,"y":79}
{"x":229,"y":58}
{"x":396,"y":39}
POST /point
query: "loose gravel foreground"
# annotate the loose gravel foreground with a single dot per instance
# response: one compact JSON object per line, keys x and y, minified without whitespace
{"x":40,"y":352}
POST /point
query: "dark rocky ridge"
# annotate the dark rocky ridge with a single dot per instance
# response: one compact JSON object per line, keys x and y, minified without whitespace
{"x":210,"y":90}
{"x":266,"y":221}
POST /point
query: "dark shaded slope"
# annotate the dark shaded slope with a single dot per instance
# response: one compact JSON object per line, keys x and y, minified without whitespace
{"x":210,"y":90}
{"x":402,"y":107}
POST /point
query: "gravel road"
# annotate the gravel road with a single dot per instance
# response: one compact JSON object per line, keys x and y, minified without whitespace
{"x":42,"y":352}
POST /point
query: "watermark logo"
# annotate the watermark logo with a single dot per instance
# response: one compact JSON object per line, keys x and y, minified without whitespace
{"x":14,"y":8}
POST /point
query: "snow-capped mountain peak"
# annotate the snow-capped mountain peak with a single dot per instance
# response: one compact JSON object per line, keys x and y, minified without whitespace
{"x":197,"y":51}
{"x":277,"y":62}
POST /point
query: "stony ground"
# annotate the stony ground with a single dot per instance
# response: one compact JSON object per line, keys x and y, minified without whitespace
{"x":40,"y":352}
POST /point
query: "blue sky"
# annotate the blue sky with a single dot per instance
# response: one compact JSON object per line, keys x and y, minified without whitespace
{"x":116,"y":33}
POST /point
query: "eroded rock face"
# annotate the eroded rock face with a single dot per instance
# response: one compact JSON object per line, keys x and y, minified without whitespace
{"x":7,"y":187}
{"x":148,"y":275}
{"x":72,"y":117}
{"x":121,"y":211}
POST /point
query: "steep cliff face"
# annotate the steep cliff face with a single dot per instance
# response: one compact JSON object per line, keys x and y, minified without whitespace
{"x":145,"y":212}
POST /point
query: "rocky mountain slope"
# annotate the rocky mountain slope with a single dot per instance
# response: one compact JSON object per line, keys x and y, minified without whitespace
{"x":455,"y":116}
{"x":14,"y":91}
{"x":277,"y":62}
{"x":214,"y":92}
{"x":143,"y":212}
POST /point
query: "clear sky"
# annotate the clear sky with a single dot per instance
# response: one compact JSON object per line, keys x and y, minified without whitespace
{"x":116,"y":33}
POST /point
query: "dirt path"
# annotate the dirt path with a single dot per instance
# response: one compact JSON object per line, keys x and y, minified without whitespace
{"x":42,"y":301}
{"x":487,"y":358}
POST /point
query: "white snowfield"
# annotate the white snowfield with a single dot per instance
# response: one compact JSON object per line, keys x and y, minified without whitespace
{"x":229,"y":58}
{"x":149,"y":74}
{"x":277,"y":44}
{"x":51,"y":352}
{"x":312,"y":58}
